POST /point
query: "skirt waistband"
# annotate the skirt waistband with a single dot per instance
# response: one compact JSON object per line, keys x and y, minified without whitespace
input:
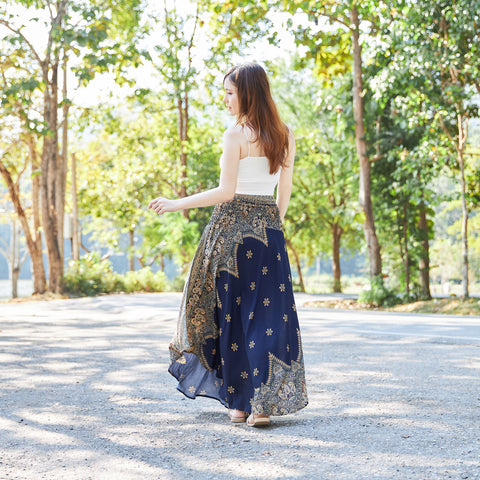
{"x":258,"y":199}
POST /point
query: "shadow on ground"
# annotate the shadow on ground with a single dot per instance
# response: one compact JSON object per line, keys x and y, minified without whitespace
{"x":85,"y":395}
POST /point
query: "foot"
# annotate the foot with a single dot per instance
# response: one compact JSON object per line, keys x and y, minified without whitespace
{"x":237,"y":416}
{"x":258,"y":420}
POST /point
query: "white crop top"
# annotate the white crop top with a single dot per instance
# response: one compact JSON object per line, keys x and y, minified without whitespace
{"x":254,"y":177}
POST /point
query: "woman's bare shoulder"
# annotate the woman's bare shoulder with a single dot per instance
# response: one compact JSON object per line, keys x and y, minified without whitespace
{"x":290,"y":131}
{"x":234,"y":135}
{"x":235,"y":131}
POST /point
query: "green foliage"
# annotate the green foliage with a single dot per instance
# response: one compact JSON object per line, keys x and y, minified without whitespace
{"x":324,"y":193}
{"x":132,"y":158}
{"x":144,"y":280}
{"x":234,"y":25}
{"x":93,"y":276}
{"x":420,"y":82}
{"x":378,"y":294}
{"x":421,"y":65}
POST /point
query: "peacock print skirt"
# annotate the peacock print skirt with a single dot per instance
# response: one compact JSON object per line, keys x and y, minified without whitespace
{"x":238,"y":338}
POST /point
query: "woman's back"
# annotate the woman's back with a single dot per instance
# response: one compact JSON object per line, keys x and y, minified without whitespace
{"x":254,"y":176}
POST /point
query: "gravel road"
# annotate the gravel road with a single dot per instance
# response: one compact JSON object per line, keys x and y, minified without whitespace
{"x":85,"y":394}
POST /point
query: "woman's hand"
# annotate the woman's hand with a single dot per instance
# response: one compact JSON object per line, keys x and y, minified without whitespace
{"x":228,"y":180}
{"x":163,"y":205}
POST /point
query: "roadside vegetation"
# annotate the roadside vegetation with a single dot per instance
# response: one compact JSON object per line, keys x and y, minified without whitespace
{"x":383,"y":98}
{"x":449,"y":306}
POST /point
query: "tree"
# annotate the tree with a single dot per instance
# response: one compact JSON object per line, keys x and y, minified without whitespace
{"x":227,"y":27}
{"x":411,"y":157}
{"x":178,"y":153}
{"x":446,"y":36}
{"x":100,"y":37}
{"x":128,"y":161}
{"x":331,"y":50}
{"x":18,"y":156}
{"x":322,"y":214}
{"x":12,"y":251}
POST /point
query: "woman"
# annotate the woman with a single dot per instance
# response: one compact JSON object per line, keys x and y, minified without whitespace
{"x":238,"y":339}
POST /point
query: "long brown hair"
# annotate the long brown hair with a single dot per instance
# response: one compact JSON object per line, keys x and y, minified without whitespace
{"x":258,"y":111}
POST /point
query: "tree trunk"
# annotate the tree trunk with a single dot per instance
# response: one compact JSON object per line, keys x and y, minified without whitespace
{"x":52,"y":167}
{"x":49,"y":175}
{"x":182,"y":107}
{"x":131,"y":255}
{"x":61,"y":171}
{"x":336,"y":237}
{"x":36,"y":255}
{"x":374,"y":257}
{"x":75,"y":233}
{"x":461,"y":161}
{"x":424,"y":263}
{"x":297,"y":262}
{"x":15,"y":276}
{"x":15,"y":259}
{"x":406,"y":258}
{"x":31,"y":244}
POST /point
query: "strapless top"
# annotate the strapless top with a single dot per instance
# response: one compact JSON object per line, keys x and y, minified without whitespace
{"x":254,"y":177}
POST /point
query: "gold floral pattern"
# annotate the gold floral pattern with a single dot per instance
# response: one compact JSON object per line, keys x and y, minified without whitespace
{"x":252,"y":286}
{"x":277,"y":384}
{"x":285,"y":390}
{"x":231,"y":222}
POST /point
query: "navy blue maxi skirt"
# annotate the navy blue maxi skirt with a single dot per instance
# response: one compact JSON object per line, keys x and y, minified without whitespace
{"x":238,"y":338}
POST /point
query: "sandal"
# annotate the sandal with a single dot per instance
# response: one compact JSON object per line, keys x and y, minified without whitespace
{"x":237,"y":418}
{"x":258,"y":421}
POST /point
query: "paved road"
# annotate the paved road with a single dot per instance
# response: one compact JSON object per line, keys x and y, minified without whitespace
{"x":84,"y":394}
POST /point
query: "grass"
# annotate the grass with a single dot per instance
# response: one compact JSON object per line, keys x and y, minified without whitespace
{"x":447,"y":306}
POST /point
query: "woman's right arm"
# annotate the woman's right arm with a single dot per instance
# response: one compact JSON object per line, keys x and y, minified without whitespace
{"x":284,"y":189}
{"x":225,"y":190}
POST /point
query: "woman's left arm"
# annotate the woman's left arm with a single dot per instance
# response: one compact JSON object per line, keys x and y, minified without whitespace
{"x":284,"y":189}
{"x":223,"y":193}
